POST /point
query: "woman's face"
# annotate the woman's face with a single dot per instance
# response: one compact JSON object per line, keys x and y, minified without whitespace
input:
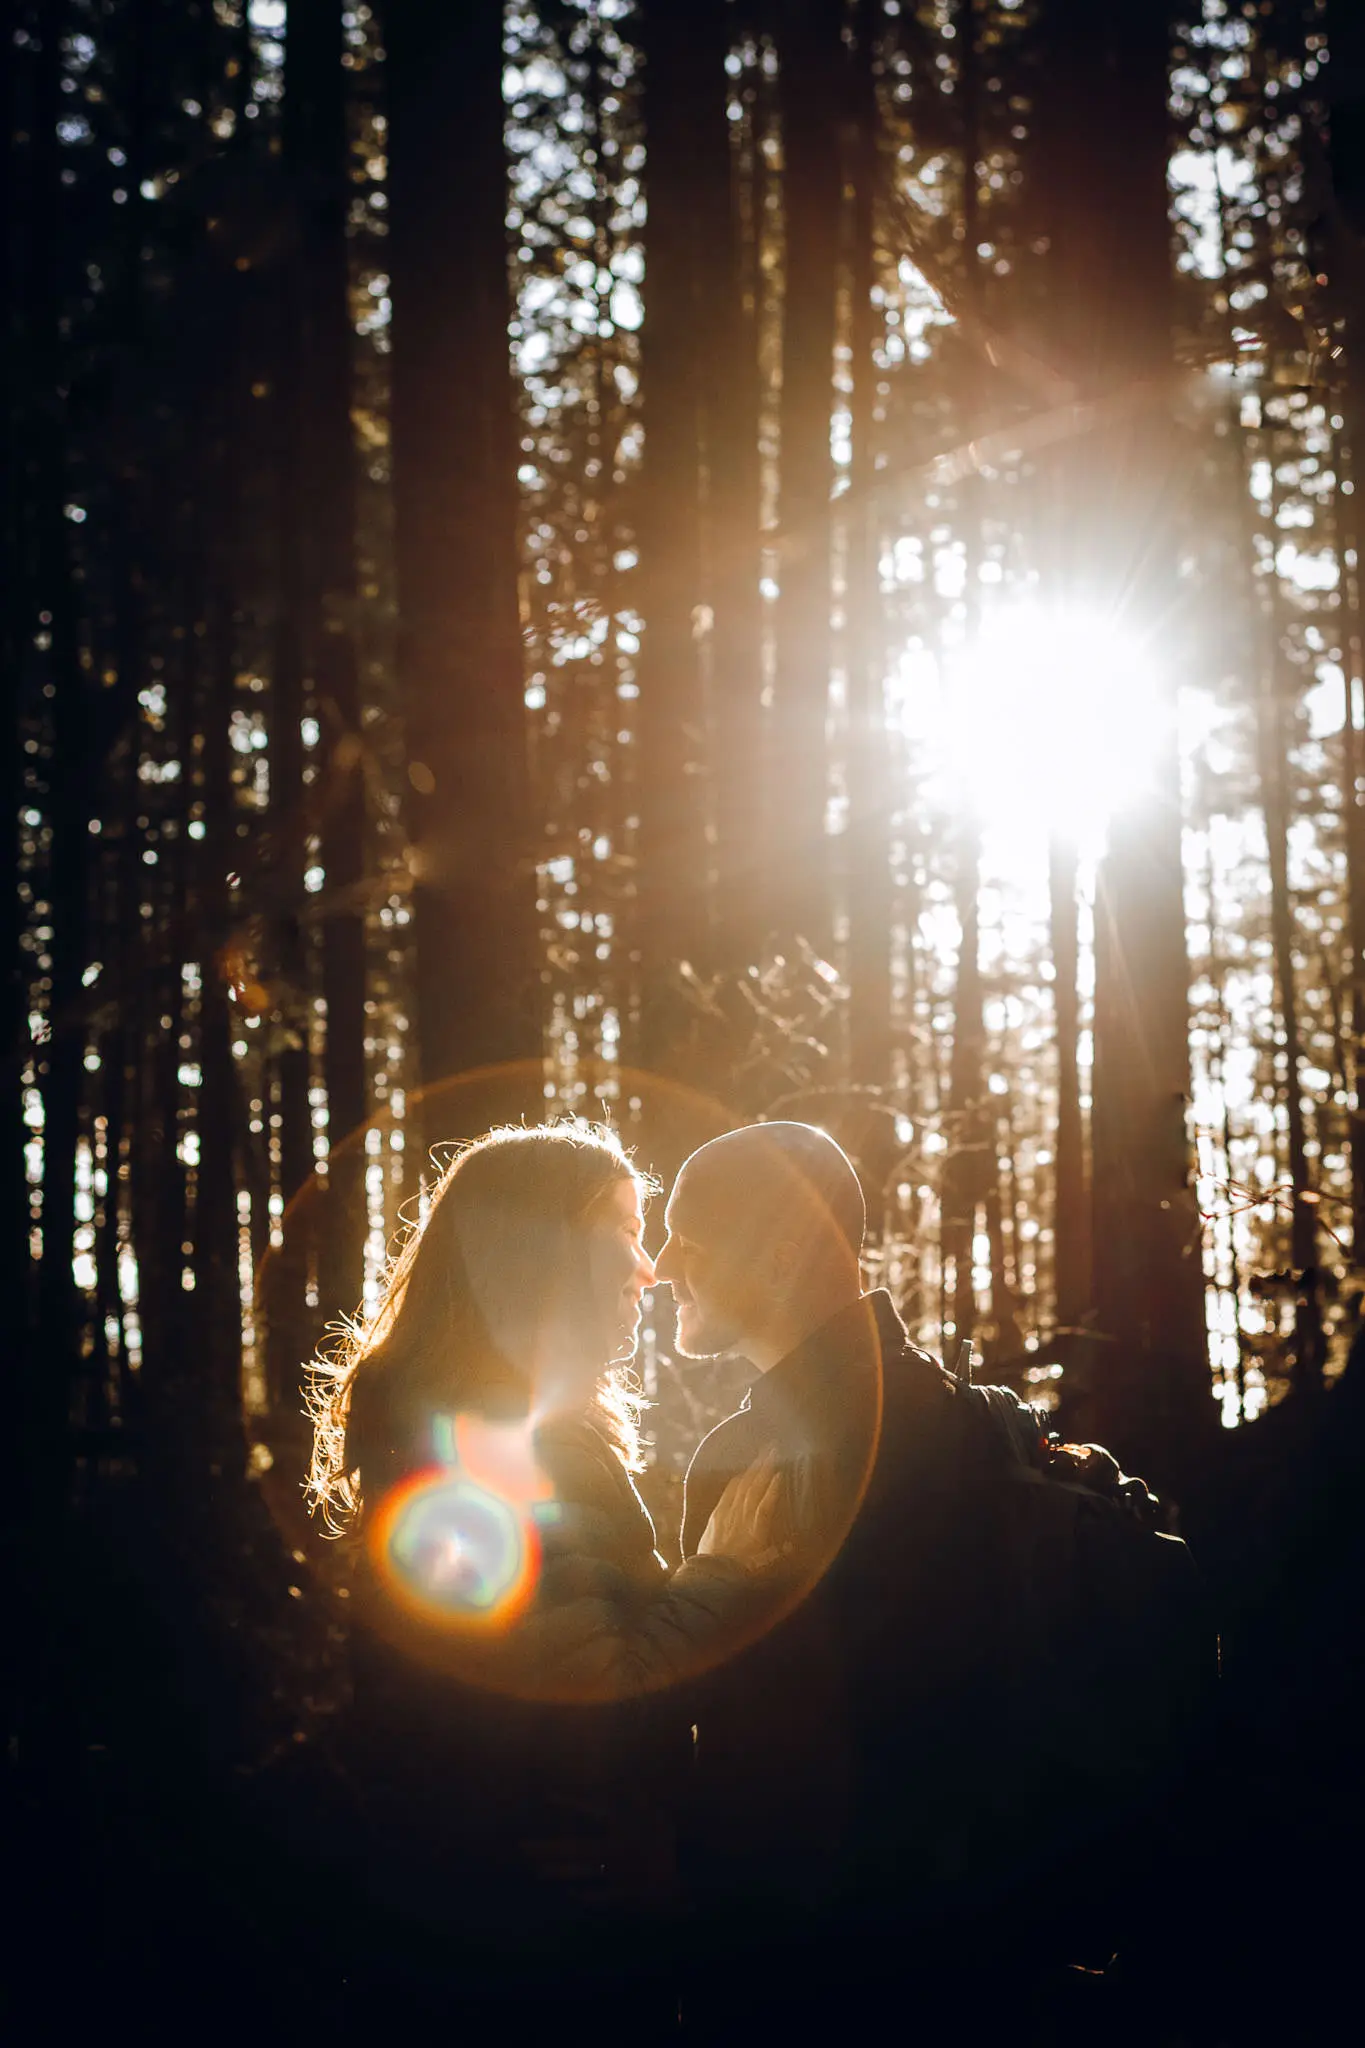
{"x":619,"y":1270}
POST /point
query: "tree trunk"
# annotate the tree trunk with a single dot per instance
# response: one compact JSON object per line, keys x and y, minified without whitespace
{"x":682,"y":71}
{"x":1273,"y":760}
{"x":870,"y":801}
{"x":1346,"y":88}
{"x":459,"y":647}
{"x":1103,"y":124}
{"x":969,"y":1166}
{"x":202,"y":1381}
{"x":811,"y":59}
{"x":727,"y":332}
{"x":19,"y":166}
{"x":216,"y":1307}
{"x":317,"y":147}
{"x":1070,"y":1210}
{"x":964,"y":1180}
{"x":54,"y":632}
{"x":286,"y":1319}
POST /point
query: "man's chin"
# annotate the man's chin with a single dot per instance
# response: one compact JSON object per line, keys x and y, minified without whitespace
{"x":701,"y":1343}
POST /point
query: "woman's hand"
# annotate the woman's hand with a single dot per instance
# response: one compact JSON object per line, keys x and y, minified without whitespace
{"x":751,"y":1523}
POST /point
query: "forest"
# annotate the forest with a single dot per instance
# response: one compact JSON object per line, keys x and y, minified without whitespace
{"x":672,"y":564}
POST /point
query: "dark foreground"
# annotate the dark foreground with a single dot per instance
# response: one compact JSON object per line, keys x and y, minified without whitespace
{"x":181,"y":1865}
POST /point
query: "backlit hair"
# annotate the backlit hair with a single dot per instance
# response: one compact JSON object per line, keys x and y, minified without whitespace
{"x":501,"y":1251}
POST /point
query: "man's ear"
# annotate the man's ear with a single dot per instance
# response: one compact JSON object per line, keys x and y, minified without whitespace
{"x":784,"y":1264}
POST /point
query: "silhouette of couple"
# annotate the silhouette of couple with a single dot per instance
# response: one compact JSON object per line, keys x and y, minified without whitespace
{"x":584,"y":1779}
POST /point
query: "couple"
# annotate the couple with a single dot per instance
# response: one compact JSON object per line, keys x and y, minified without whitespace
{"x":564,"y":1751}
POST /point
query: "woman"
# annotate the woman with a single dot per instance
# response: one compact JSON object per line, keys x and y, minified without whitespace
{"x":520,"y":1651}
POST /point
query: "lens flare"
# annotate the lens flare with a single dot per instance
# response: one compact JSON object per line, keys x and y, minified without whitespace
{"x":1048,"y":720}
{"x":457,"y":1545}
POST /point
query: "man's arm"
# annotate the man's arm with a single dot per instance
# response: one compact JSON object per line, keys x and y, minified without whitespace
{"x":591,"y":1637}
{"x":597,"y":1632}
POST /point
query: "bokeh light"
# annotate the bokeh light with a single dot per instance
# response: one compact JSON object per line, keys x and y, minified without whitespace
{"x":453,"y":1553}
{"x":457,"y":1545}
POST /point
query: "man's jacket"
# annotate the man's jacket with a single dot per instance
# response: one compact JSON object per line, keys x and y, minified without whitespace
{"x":837,"y":1757}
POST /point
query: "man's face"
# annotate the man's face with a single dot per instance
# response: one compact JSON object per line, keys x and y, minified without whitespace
{"x":712,"y":1282}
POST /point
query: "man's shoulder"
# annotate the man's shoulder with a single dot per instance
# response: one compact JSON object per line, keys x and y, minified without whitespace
{"x":947,"y":1442}
{"x":725,"y":1451}
{"x":927,"y":1428}
{"x":914,"y":1374}
{"x":722,"y":1444}
{"x":912,"y":1377}
{"x":902,"y":1358}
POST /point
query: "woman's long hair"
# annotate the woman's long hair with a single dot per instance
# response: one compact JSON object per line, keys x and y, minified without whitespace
{"x":500,"y":1257}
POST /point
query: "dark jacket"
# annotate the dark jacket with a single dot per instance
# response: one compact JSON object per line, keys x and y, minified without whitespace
{"x":834,"y":1758}
{"x":540,"y":1780}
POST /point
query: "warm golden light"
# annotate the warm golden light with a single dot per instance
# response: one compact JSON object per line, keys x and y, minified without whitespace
{"x":1047,"y":722}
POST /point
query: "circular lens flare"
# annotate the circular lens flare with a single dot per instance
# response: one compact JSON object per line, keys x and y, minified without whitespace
{"x":457,"y":1544}
{"x":454,"y":1554}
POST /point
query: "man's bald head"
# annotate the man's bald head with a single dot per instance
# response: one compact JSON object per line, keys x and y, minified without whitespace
{"x":782,"y":1177}
{"x":765,"y":1226}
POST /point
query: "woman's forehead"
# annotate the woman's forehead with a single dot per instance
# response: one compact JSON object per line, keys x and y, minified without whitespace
{"x":622,"y":1204}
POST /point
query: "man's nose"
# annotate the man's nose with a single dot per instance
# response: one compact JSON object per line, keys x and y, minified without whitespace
{"x":645,"y":1267}
{"x":663,"y":1264}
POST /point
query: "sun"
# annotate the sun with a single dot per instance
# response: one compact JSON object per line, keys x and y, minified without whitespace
{"x":1049,"y":723}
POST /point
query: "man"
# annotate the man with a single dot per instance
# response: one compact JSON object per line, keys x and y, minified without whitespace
{"x":838,"y":1760}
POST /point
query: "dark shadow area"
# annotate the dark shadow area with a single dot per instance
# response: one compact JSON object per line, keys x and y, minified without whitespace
{"x":187,"y":1857}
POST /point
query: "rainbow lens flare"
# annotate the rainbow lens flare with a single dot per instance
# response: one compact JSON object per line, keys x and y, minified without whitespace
{"x":457,"y":1546}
